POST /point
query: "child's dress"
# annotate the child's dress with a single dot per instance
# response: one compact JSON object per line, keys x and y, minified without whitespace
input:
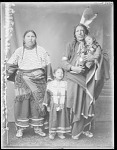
{"x":55,"y":98}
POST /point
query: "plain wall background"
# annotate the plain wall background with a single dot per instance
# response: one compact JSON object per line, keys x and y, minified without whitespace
{"x":54,"y":24}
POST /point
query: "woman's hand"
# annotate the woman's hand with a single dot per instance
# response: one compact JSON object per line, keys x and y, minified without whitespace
{"x":78,"y":69}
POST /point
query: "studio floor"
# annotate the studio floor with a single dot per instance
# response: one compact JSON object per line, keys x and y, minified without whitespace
{"x":103,"y":139}
{"x":103,"y":134}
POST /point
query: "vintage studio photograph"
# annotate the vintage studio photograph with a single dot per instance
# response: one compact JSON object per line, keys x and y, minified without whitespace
{"x":57,"y":75}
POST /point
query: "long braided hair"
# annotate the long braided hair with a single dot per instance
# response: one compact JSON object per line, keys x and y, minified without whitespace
{"x":24,"y":40}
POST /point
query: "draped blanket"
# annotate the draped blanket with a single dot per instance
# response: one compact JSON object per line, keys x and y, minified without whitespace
{"x":96,"y":77}
{"x":87,"y":88}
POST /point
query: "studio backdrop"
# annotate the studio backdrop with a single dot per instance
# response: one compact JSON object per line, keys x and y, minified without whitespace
{"x":54,"y":25}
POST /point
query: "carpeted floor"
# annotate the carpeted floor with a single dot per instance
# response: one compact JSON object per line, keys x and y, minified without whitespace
{"x":103,"y":138}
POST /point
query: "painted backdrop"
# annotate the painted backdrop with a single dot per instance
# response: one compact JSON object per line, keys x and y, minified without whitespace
{"x":54,"y":25}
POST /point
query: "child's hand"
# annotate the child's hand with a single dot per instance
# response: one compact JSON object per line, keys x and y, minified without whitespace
{"x":84,"y":58}
{"x":89,"y":57}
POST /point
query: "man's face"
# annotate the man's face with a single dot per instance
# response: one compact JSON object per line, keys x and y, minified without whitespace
{"x":80,"y":33}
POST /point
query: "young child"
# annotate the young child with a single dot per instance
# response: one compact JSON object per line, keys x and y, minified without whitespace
{"x":91,"y":48}
{"x":55,"y":101}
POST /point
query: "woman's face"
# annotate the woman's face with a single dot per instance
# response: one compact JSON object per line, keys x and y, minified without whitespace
{"x":80,"y":33}
{"x":30,"y":39}
{"x":59,"y":74}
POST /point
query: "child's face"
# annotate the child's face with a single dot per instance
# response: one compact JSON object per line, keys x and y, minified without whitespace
{"x":59,"y":74}
{"x":89,"y":40}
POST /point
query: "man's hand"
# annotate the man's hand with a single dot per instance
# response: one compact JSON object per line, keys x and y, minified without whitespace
{"x":78,"y":69}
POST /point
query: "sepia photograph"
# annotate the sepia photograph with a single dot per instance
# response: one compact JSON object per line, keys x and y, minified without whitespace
{"x":57,"y":75}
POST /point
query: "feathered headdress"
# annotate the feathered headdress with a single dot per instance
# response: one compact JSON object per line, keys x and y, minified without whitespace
{"x":87,"y":17}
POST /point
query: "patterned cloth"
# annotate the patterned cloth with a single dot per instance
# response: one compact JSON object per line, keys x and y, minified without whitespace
{"x":29,"y":91}
{"x":57,"y":89}
{"x":30,"y":59}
